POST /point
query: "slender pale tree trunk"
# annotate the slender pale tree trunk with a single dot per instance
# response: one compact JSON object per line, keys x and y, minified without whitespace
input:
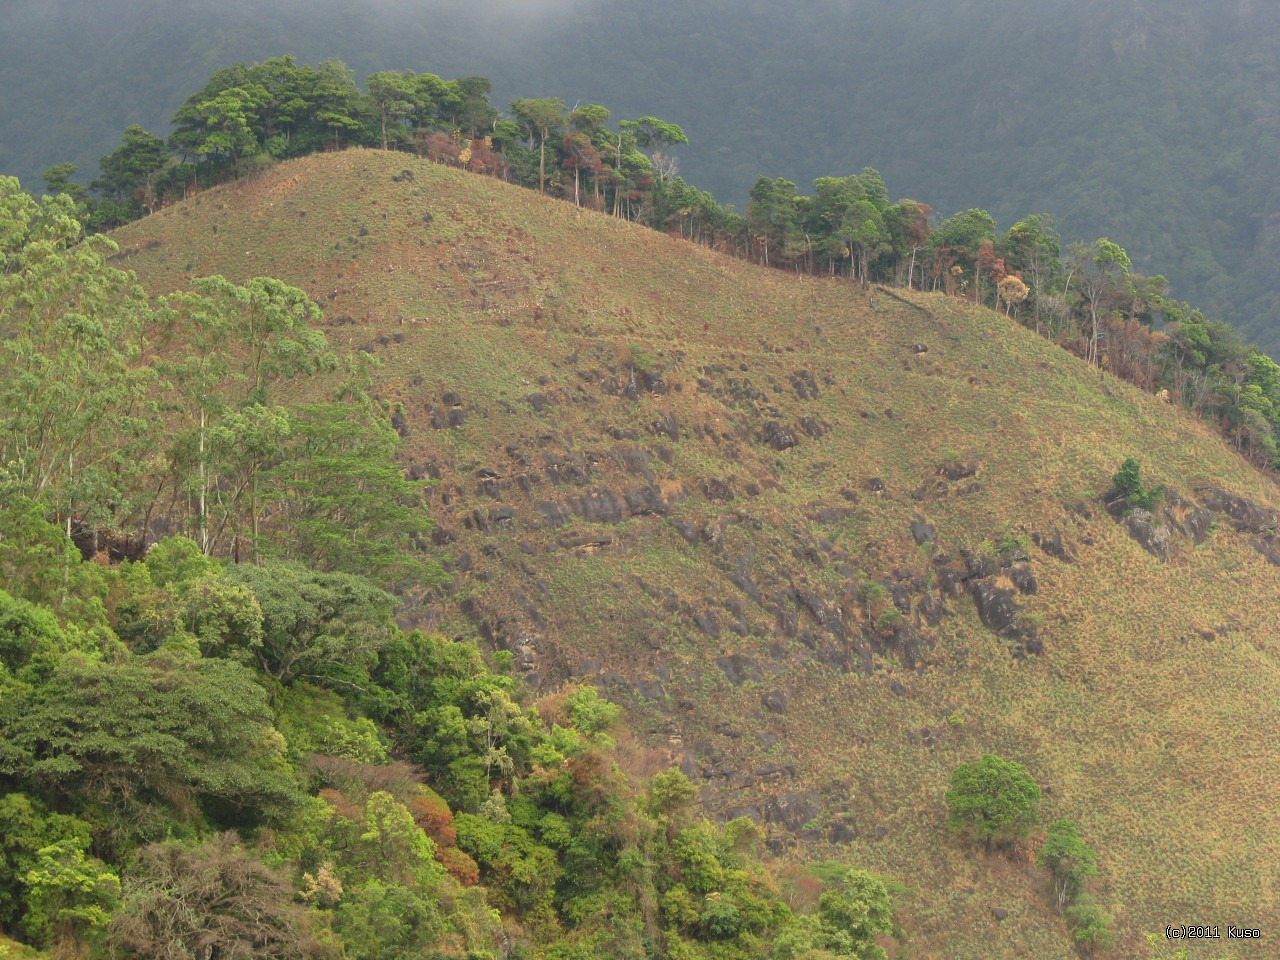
{"x":204,"y":526}
{"x":542,"y":162}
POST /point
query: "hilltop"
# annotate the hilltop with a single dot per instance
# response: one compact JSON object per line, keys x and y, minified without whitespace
{"x":708,"y":486}
{"x":1146,"y":124}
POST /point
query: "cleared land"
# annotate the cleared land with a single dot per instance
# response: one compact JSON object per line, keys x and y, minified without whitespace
{"x":694,"y":480}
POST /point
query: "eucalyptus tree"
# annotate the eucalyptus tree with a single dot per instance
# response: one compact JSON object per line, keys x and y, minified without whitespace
{"x":1101,"y":270}
{"x":541,"y":118}
{"x":75,"y":425}
{"x":394,"y":95}
{"x":228,"y":345}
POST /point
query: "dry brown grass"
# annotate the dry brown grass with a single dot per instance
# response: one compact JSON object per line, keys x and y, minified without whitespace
{"x":1156,"y":740}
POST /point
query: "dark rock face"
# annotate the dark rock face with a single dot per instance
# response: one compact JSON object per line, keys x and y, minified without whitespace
{"x":717,"y":490}
{"x":775,"y":701}
{"x":645,"y":501}
{"x":1245,"y":515}
{"x":830,"y":514}
{"x":980,"y":564}
{"x":907,"y":645}
{"x":739,"y":668}
{"x":1055,"y":546}
{"x":778,"y":436}
{"x":666,"y":426}
{"x":814,"y":426}
{"x":1000,"y":914}
{"x":842,"y":832}
{"x":1267,"y":548}
{"x":600,"y":505}
{"x":922,"y":532}
{"x":423,"y":471}
{"x":1151,"y":532}
{"x":553,"y":514}
{"x":805,"y":386}
{"x":1151,"y":535}
{"x":955,"y":470}
{"x":931,"y":609}
{"x":636,"y":460}
{"x":996,"y":606}
{"x":687,"y":530}
{"x":950,"y":576}
{"x":650,"y":381}
{"x":1023,"y":578}
{"x":709,"y":621}
{"x":571,"y":468}
{"x":1195,"y":525}
{"x":792,"y":810}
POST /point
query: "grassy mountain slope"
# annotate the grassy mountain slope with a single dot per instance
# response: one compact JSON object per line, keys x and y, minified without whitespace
{"x":679,"y":474}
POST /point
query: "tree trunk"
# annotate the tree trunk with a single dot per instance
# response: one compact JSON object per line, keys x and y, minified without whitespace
{"x":542,"y":160}
{"x":253,"y":508}
{"x":204,"y":527}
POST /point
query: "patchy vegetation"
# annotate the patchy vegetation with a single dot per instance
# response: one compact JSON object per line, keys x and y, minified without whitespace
{"x":819,"y":566}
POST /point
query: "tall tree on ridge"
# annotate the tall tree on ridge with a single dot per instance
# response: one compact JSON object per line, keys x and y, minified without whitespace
{"x":1101,"y":271}
{"x":394,"y":96}
{"x":541,"y":117}
{"x":657,"y":136}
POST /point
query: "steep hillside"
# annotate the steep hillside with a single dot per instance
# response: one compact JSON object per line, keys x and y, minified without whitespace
{"x":709,"y":486}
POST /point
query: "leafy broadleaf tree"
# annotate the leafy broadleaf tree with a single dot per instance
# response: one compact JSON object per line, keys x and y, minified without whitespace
{"x":340,"y":502}
{"x":70,"y":895}
{"x":1070,"y":860}
{"x":657,"y":136}
{"x":129,"y":172}
{"x":773,"y":216}
{"x":142,"y":738}
{"x":27,"y":830}
{"x":337,"y":99}
{"x":992,"y":801}
{"x":854,"y":912}
{"x":323,"y":627}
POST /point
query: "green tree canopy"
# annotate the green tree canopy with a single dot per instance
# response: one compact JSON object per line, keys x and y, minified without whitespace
{"x":1070,"y":860}
{"x":993,"y":801}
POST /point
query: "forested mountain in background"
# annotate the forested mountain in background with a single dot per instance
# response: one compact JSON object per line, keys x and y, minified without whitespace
{"x":1155,"y":125}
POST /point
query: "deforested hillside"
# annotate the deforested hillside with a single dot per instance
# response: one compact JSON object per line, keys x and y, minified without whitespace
{"x":825,"y":543}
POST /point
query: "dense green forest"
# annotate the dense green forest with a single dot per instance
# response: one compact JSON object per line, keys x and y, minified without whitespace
{"x":1150,"y":125}
{"x":1087,"y":298}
